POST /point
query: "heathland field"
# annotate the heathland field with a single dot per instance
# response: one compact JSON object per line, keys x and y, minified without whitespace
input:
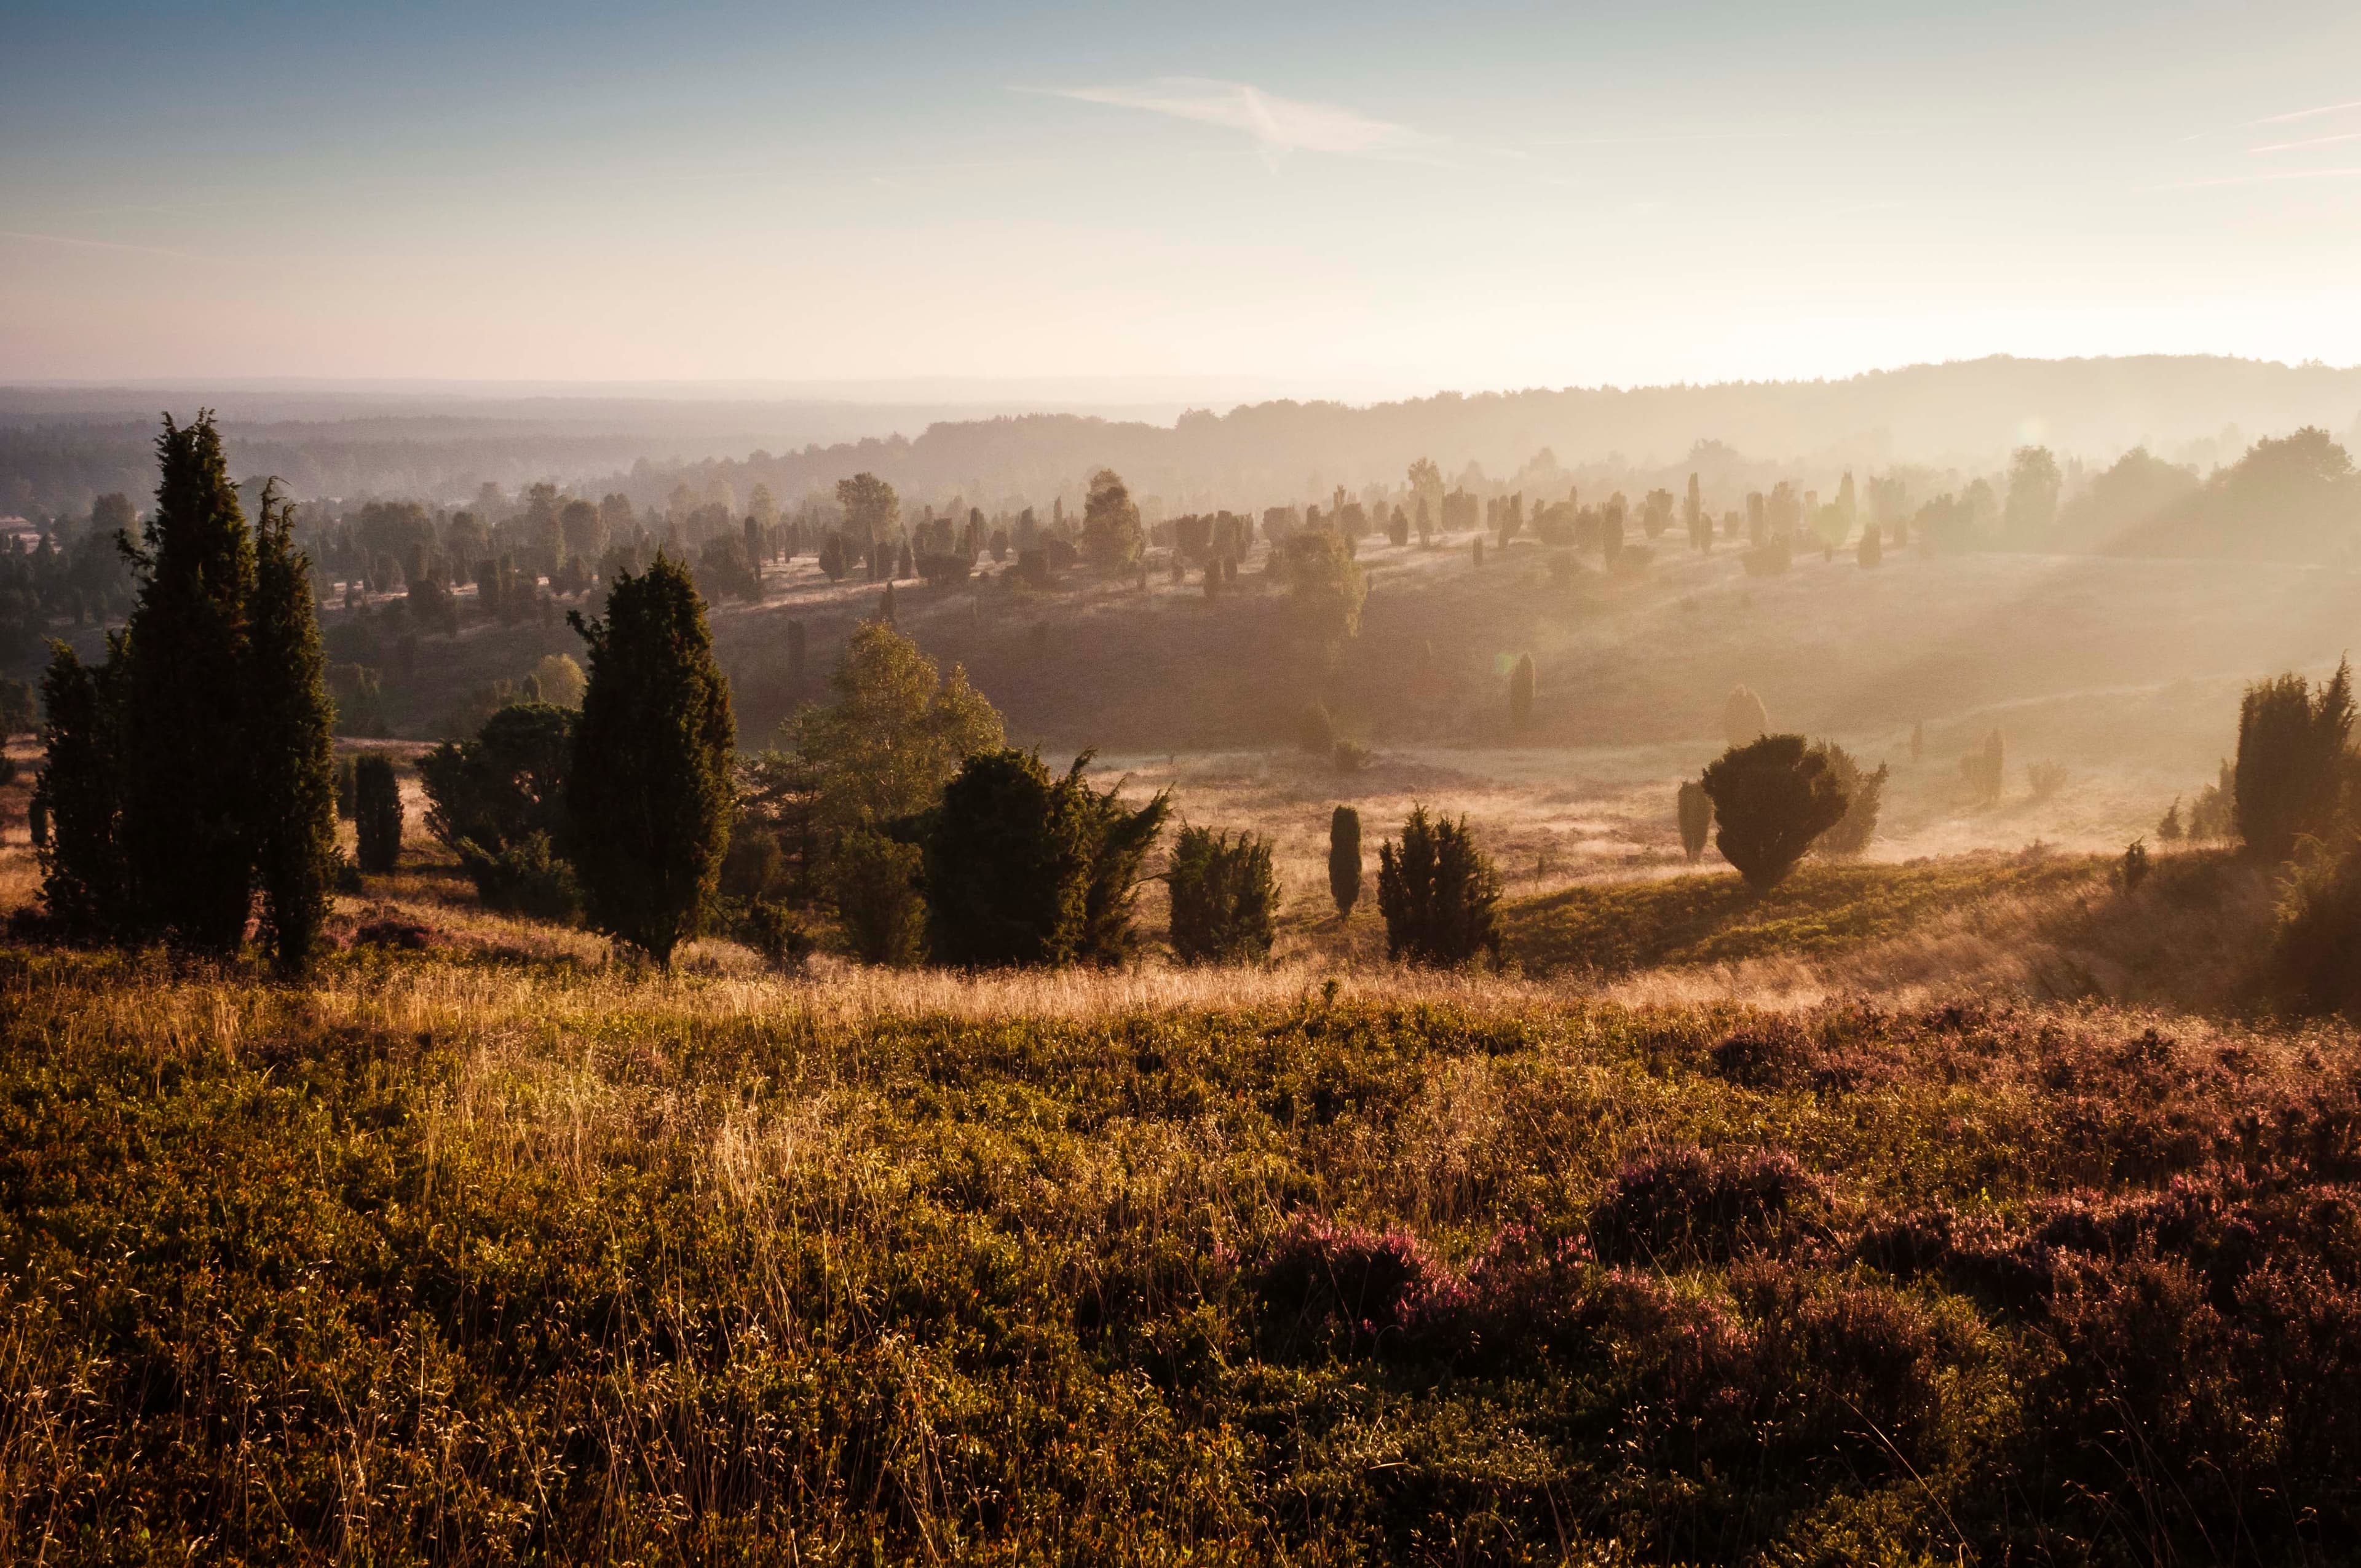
{"x":479,"y":1260}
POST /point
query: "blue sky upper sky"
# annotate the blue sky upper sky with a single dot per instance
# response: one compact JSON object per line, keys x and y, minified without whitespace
{"x":1363,"y":199}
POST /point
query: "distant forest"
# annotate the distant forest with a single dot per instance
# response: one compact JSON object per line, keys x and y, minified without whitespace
{"x":2195,"y":412}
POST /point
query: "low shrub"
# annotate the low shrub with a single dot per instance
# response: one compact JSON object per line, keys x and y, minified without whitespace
{"x":1224,"y":898}
{"x":1686,"y":1204}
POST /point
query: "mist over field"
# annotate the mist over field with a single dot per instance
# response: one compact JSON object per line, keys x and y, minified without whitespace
{"x":1328,"y":786}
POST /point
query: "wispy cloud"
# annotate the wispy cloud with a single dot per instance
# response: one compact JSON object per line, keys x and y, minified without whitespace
{"x":1279,"y":125}
{"x":2308,"y":114}
{"x":2350,"y":172}
{"x":2307,"y":141}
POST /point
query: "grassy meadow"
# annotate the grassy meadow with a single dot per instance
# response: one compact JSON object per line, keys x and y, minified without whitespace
{"x":463,"y":1258}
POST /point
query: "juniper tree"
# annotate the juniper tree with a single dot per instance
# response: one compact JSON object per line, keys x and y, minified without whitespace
{"x":188,"y":784}
{"x":1697,"y":818}
{"x":1521,"y":694}
{"x":77,"y":799}
{"x":1773,"y":798}
{"x":1344,"y":859}
{"x":1224,"y":897}
{"x":289,"y":744}
{"x":1438,"y":892}
{"x":1864,"y":795}
{"x":648,"y":798}
{"x":1025,"y":869}
{"x":872,"y":884}
{"x":376,"y":814}
{"x":2290,"y":769}
{"x":1117,"y":839}
{"x":1003,"y":867}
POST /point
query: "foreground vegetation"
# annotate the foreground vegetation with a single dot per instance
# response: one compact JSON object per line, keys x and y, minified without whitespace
{"x":484,"y":1262}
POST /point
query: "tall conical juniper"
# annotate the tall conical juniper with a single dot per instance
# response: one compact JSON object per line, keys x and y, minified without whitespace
{"x":649,"y":796}
{"x":79,"y":795}
{"x":188,"y":777}
{"x":291,"y":744}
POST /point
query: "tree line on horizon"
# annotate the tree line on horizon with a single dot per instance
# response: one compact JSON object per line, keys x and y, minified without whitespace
{"x":189,"y":787}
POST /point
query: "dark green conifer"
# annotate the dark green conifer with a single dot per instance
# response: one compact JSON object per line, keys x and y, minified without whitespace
{"x":649,"y":796}
{"x":1344,"y":859}
{"x":1772,"y":798}
{"x":1023,"y":869}
{"x":289,"y":744}
{"x":77,"y":800}
{"x":2293,"y":761}
{"x":1004,"y":870}
{"x":377,"y":815}
{"x":188,"y":782}
{"x":1438,"y":892}
{"x":1224,"y":897}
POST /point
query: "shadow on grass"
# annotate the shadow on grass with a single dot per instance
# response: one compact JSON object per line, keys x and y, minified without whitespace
{"x":1614,"y":928}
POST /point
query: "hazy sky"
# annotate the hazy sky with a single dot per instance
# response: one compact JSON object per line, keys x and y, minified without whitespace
{"x":1367,"y":198}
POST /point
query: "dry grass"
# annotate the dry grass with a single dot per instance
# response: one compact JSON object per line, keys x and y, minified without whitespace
{"x":479,"y":1260}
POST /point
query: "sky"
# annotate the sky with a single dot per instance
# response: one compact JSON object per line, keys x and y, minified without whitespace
{"x":1356,"y":200}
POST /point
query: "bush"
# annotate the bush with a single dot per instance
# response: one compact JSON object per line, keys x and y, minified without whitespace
{"x":1344,"y":859}
{"x":1697,"y":818}
{"x":1438,"y":892}
{"x":2290,"y":767}
{"x":1864,"y":793}
{"x":1224,"y":897}
{"x":2044,"y":779}
{"x":2313,"y":955}
{"x":527,"y":877}
{"x":2135,"y":868}
{"x":377,"y":815}
{"x":1685,"y":1205}
{"x":1022,"y":870}
{"x":1772,"y":799}
{"x":2214,"y":815}
{"x":944,"y":568}
{"x":874,"y":884}
{"x":1320,"y":1277}
{"x":487,"y":797}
